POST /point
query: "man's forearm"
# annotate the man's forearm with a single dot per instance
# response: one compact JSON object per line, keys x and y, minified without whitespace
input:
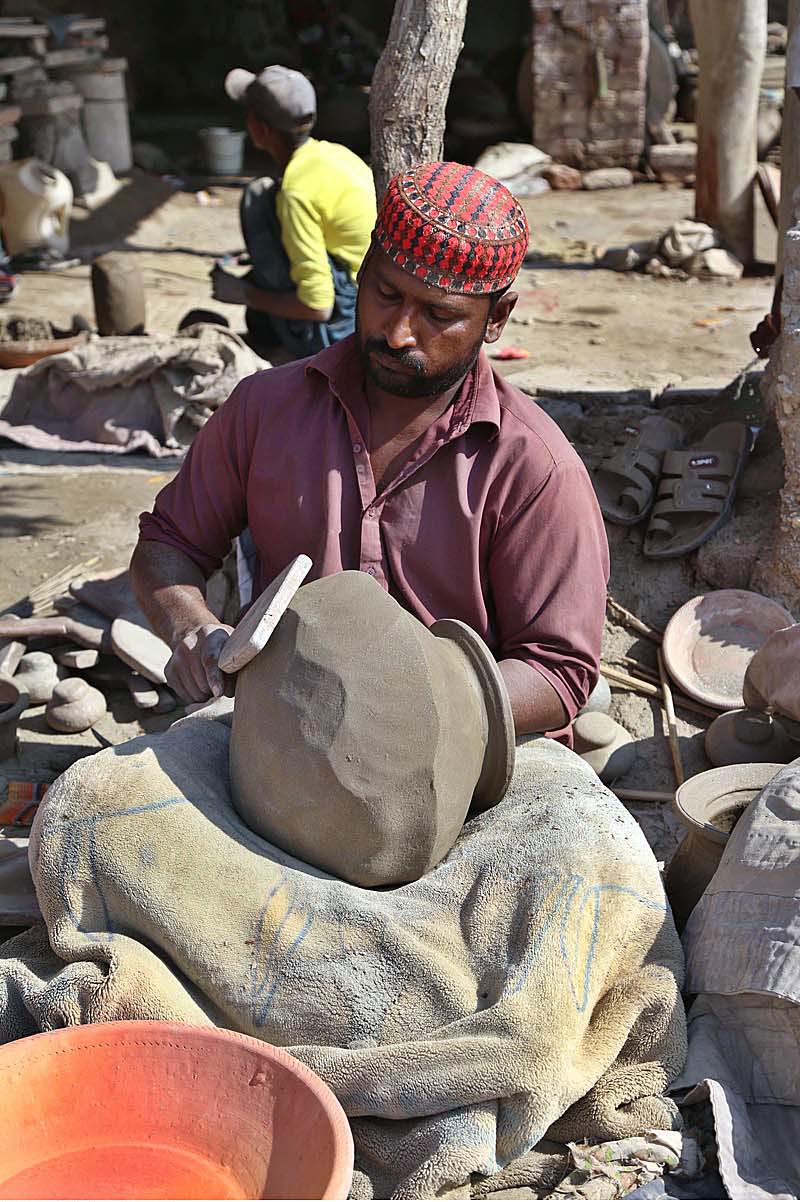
{"x":535,"y":704}
{"x":170,"y":588}
{"x":283,"y":304}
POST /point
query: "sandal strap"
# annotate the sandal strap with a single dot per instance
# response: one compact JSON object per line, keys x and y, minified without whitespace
{"x":631,"y":459}
{"x":689,"y":497}
{"x":700,"y":464}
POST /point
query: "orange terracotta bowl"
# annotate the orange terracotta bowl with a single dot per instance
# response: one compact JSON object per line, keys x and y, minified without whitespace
{"x":24,"y":353}
{"x":162,"y":1110}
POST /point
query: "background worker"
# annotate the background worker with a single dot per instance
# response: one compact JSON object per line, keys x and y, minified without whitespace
{"x":306,"y":234}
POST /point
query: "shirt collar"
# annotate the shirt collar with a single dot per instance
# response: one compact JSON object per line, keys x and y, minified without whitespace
{"x":477,"y":400}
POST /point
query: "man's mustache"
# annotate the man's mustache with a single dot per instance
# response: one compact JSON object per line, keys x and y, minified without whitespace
{"x":405,"y":357}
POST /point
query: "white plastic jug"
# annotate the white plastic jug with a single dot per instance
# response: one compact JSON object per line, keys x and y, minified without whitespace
{"x":35,"y":202}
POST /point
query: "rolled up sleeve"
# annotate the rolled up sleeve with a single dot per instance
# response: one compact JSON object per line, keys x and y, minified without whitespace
{"x":548,"y":572}
{"x":204,"y":508}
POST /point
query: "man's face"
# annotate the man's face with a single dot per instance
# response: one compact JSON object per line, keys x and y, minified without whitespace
{"x":416,"y":340}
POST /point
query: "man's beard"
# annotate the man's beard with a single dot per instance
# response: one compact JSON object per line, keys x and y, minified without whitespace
{"x":417,"y":384}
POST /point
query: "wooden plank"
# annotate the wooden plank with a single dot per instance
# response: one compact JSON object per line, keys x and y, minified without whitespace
{"x":87,"y":25}
{"x":9,"y":28}
{"x":11,"y":66}
{"x":70,"y":56}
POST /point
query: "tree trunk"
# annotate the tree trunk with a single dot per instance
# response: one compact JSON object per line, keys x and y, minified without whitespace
{"x":778,"y":569}
{"x":731,"y":42}
{"x":411,"y":85}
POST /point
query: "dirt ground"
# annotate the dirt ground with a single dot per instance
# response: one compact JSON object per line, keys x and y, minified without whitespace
{"x":586,"y":330}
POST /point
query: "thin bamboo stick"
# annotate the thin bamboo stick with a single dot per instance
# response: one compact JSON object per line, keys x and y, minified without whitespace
{"x":631,"y":620}
{"x":643,"y":795}
{"x":648,"y":689}
{"x":672,"y":727}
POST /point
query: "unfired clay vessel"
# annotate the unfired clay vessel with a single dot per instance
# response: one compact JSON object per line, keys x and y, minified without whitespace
{"x":360,"y":738}
{"x":749,"y":737}
{"x":74,"y":706}
{"x":37,"y":675}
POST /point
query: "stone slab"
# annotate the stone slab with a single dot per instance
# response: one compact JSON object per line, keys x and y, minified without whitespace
{"x":252,"y":633}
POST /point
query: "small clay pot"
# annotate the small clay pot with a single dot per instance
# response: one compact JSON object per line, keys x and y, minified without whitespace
{"x":37,"y":675}
{"x":604,"y":745}
{"x":74,"y":706}
{"x":709,"y":805}
{"x":360,"y":738}
{"x":12,"y":704}
{"x":748,"y":737}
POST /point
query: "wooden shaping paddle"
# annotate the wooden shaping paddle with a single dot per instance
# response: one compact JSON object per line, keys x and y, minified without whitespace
{"x":255,"y":628}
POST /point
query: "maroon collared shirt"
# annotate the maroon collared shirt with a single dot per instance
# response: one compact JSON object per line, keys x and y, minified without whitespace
{"x":492,"y":520}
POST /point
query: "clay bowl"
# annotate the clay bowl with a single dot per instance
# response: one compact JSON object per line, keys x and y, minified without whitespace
{"x":711,"y":639}
{"x":12,"y":704}
{"x":22,"y":354}
{"x":709,"y":805}
{"x":162,"y":1110}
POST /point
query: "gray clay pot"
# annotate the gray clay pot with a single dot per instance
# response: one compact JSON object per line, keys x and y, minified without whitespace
{"x":13,"y":702}
{"x":360,"y":738}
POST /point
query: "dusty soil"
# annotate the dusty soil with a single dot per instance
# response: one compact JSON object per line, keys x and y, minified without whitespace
{"x":585,"y":329}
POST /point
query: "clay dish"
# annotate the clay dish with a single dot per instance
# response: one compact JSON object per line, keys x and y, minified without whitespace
{"x":710,"y":641}
{"x":24,"y":353}
{"x":252,"y":632}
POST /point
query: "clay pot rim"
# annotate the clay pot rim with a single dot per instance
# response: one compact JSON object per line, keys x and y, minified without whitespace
{"x":18,"y":707}
{"x":498,"y":760}
{"x":715,"y":785}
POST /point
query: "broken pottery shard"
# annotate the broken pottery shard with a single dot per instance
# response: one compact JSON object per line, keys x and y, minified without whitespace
{"x":74,"y":706}
{"x":140,"y":649}
{"x":252,"y":633}
{"x":77,"y":657}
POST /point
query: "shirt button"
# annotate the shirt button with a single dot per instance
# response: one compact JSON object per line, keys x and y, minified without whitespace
{"x":372,"y":512}
{"x":371,"y":572}
{"x":360,"y":469}
{"x":357,"y":447}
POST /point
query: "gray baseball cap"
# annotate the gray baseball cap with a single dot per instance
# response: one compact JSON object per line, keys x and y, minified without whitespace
{"x":281,"y":97}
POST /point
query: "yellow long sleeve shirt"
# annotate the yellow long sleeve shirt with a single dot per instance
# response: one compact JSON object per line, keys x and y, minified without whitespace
{"x":325,"y":205}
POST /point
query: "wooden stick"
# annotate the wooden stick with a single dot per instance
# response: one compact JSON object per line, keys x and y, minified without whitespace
{"x":640,"y":669}
{"x":618,"y":677}
{"x":643,"y":795}
{"x":58,"y":579}
{"x":631,"y":620}
{"x":672,"y":728}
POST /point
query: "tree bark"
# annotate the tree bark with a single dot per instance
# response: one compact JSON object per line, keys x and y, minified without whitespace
{"x":731,"y":42}
{"x":411,"y":85}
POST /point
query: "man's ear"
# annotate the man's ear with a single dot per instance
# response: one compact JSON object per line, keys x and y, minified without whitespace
{"x":500,"y":315}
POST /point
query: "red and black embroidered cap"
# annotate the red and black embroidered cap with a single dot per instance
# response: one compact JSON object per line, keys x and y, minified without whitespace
{"x":453,"y":227}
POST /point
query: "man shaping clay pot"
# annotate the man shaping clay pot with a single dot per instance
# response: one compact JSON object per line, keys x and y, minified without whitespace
{"x":398,"y":452}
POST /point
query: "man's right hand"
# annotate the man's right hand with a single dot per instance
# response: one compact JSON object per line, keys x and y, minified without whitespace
{"x":193,"y":672}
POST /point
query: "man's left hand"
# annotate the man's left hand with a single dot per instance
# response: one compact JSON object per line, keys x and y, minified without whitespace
{"x":227,"y":288}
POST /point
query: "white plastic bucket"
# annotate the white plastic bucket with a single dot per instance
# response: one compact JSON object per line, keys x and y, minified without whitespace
{"x":223,"y":150}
